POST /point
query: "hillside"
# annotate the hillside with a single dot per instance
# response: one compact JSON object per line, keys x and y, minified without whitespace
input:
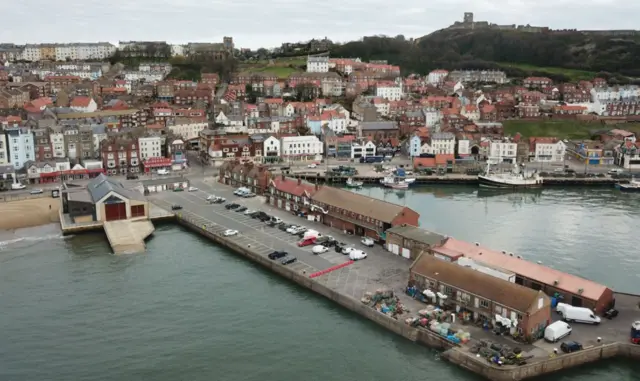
{"x":520,"y":52}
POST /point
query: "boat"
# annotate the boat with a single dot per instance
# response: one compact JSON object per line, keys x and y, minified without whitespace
{"x":632,"y":187}
{"x":513,"y":180}
{"x":351,"y":183}
{"x":394,"y":182}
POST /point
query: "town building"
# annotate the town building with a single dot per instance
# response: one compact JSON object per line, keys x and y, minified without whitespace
{"x":537,"y":82}
{"x":483,"y":296}
{"x":358,"y":214}
{"x":547,"y":150}
{"x":627,"y":155}
{"x":362,"y":149}
{"x":21,"y":146}
{"x":317,"y":64}
{"x":410,"y":241}
{"x":503,"y":151}
{"x":289,"y":194}
{"x":437,"y":77}
{"x":4,"y":153}
{"x":120,"y":156}
{"x":271,"y":149}
{"x":378,"y":130}
{"x":256,"y":177}
{"x":390,"y":91}
{"x":150,"y":146}
{"x":443,"y":143}
{"x":83,"y":104}
{"x":188,"y":129}
{"x":307,"y":147}
{"x":467,"y":76}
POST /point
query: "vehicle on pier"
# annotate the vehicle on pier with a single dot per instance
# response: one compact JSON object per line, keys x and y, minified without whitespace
{"x":288,"y":260}
{"x":277,"y":255}
{"x":176,"y":207}
{"x":230,"y":232}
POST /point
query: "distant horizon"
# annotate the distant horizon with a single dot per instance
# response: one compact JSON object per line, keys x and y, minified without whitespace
{"x":268,"y":25}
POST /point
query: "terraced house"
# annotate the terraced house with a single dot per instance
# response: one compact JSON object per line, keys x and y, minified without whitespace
{"x":249,"y":175}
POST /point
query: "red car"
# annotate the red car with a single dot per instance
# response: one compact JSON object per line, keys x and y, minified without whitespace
{"x":307,"y":241}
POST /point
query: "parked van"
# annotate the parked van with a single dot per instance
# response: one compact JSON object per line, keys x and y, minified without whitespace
{"x":556,"y":331}
{"x":580,"y":315}
{"x":311,"y":234}
{"x":561,"y":307}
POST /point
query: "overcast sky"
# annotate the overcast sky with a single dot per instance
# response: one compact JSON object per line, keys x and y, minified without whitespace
{"x":268,"y":23}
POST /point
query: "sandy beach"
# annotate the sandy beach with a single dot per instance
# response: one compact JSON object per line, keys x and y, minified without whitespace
{"x":27,"y":213}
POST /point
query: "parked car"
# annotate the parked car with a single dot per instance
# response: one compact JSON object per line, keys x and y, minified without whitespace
{"x":192,"y":189}
{"x":312,"y":165}
{"x":178,"y":189}
{"x":276,"y":220}
{"x":211,"y":198}
{"x":301,"y":232}
{"x":176,"y":207}
{"x":288,"y":260}
{"x":356,"y":255}
{"x":131,"y":176}
{"x":36,"y":191}
{"x":17,"y":186}
{"x":264,"y":217}
{"x":610,"y":314}
{"x":291,"y":229}
{"x":248,"y":195}
{"x":339,"y":247}
{"x":271,"y":223}
{"x":241,"y":209}
{"x":283,"y":226}
{"x":253,"y":214}
{"x":249,"y":211}
{"x":570,"y":346}
{"x":230,"y":232}
{"x":277,"y":255}
{"x":367,"y":241}
{"x":163,"y":171}
{"x":347,"y":250}
{"x":220,"y":200}
{"x":319,"y":249}
{"x":307,"y":242}
{"x":233,"y":205}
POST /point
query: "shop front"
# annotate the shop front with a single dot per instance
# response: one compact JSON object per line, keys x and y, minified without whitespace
{"x":153,"y":164}
{"x":71,"y":175}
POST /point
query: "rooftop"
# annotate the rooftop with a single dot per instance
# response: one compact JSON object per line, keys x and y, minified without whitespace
{"x":418,"y":235}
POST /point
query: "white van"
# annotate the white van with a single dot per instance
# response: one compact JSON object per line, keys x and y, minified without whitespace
{"x":580,"y":315}
{"x":163,"y":171}
{"x":556,"y":331}
{"x":561,"y":307}
{"x":17,"y":186}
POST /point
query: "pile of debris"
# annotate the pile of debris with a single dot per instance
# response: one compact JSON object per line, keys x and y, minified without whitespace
{"x":499,"y":354}
{"x":436,"y":320}
{"x":385,"y":302}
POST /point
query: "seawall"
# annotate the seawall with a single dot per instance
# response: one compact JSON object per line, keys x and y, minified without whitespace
{"x":26,"y":212}
{"x":452,"y":352}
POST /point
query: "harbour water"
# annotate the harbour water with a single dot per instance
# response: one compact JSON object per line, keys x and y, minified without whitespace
{"x":188,"y":310}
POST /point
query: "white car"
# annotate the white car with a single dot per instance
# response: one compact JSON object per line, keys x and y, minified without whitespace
{"x":36,"y":191}
{"x":192,"y":189}
{"x":276,"y":220}
{"x":312,"y":165}
{"x":319,"y":249}
{"x":16,"y":186}
{"x":367,"y":241}
{"x":347,"y":250}
{"x":249,"y":211}
{"x":292,"y":229}
{"x":298,"y":230}
{"x":163,"y":172}
{"x":356,"y":255}
{"x":229,"y":233}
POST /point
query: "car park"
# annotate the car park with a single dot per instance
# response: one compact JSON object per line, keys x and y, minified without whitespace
{"x":230,"y":232}
{"x":241,"y":209}
{"x":570,"y":346}
{"x":277,"y":255}
{"x":176,"y":207}
{"x":367,"y":241}
{"x":288,"y":260}
{"x":319,"y":249}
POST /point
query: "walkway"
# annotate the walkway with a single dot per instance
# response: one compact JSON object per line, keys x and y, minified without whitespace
{"x":127,"y":236}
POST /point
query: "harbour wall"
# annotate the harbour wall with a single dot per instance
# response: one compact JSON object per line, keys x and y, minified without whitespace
{"x":452,"y":352}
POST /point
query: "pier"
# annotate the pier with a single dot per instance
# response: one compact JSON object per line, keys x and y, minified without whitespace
{"x":332,"y":276}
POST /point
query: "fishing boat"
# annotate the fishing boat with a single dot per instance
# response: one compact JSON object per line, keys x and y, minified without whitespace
{"x":632,"y":187}
{"x":513,"y":180}
{"x":351,"y":183}
{"x":394,"y":182}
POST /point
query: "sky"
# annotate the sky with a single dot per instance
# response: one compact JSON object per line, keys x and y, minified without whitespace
{"x":254,"y":24}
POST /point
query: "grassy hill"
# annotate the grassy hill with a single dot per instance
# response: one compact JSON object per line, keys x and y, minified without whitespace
{"x":563,"y":129}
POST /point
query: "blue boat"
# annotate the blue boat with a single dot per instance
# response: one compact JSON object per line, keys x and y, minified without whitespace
{"x":632,"y":187}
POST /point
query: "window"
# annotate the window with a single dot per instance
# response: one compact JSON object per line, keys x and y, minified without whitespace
{"x":484,"y":303}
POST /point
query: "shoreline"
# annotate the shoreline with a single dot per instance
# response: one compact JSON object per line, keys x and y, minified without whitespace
{"x":29,"y":212}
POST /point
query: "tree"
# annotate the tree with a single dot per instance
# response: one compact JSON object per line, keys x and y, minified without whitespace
{"x":306,"y":92}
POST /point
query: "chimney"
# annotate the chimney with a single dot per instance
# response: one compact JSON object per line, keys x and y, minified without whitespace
{"x":299,"y":180}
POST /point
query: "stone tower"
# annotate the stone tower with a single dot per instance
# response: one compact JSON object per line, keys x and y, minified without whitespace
{"x":468,"y":17}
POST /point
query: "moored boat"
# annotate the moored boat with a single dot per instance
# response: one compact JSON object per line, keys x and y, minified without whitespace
{"x":394,"y":182}
{"x":351,"y":183}
{"x":511,"y":180}
{"x":632,"y":187}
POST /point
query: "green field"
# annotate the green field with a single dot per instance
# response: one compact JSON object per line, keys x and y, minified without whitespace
{"x":563,"y":129}
{"x":575,"y":75}
{"x":281,"y":67}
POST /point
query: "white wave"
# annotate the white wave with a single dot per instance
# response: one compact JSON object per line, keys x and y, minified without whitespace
{"x":48,"y":237}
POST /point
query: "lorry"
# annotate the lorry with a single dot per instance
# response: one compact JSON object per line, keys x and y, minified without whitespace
{"x":580,"y":315}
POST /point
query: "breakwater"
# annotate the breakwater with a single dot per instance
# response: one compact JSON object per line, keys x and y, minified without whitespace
{"x":453,"y":353}
{"x":459,"y":180}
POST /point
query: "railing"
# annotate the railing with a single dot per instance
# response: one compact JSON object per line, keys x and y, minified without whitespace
{"x":22,"y":196}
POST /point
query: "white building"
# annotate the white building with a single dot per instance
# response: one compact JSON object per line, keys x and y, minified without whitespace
{"x":187,"y":129}
{"x":359,"y":149}
{"x":443,"y":143}
{"x":437,"y":76}
{"x":464,"y":147}
{"x":432,"y":116}
{"x":389,"y":90}
{"x":83,"y":104}
{"x":503,"y":151}
{"x":4,"y":158}
{"x":627,"y":155}
{"x":271,"y":147}
{"x":471,"y":112}
{"x":307,"y":147}
{"x":612,"y":94}
{"x":317,"y":64}
{"x":57,"y":144}
{"x":31,"y":53}
{"x":177,"y":50}
{"x":150,"y":146}
{"x":147,"y":76}
{"x":21,"y":146}
{"x":549,"y":150}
